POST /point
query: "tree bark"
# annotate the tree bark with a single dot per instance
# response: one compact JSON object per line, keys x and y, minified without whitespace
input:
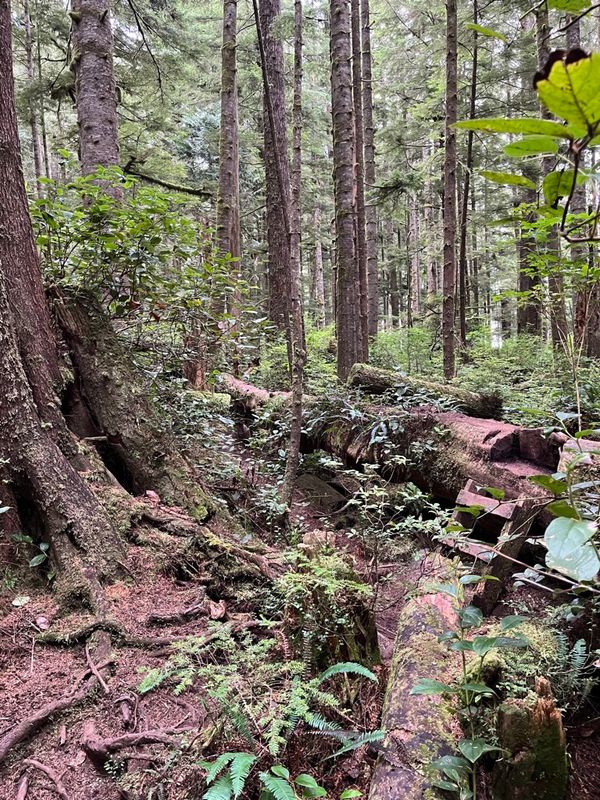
{"x":33,"y":122}
{"x":377,"y":381}
{"x":318,"y":281}
{"x":277,"y":233}
{"x":48,"y":489}
{"x":347,"y":279}
{"x":464,"y":221}
{"x":228,"y":197}
{"x":359,"y":180}
{"x":95,"y":87}
{"x":449,"y":273}
{"x":370,"y":171}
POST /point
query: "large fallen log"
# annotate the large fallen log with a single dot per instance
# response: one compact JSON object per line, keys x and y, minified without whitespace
{"x":418,"y":728}
{"x":378,"y":381}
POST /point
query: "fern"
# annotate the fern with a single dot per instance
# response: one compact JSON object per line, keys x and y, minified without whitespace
{"x":347,"y":668}
{"x":151,"y":680}
{"x":239,"y":771}
{"x":355,"y":740}
{"x":221,"y":790}
{"x":278,"y":788}
{"x":320,"y":723}
{"x":213,"y":768}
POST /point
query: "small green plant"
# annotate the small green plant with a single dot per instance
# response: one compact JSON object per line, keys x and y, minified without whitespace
{"x":41,"y":549}
{"x":227,"y":775}
{"x":250,"y":694}
{"x":457,"y":773}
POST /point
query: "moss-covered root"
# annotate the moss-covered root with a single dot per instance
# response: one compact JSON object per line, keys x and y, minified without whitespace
{"x":535,"y":764}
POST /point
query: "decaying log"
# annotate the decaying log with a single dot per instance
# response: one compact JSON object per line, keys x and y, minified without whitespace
{"x":418,"y":728}
{"x":534,"y":764}
{"x":378,"y":381}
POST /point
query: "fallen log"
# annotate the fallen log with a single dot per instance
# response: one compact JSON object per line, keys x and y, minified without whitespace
{"x":418,"y":728}
{"x":378,"y":381}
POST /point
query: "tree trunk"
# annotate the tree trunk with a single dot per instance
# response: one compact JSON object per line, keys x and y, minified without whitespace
{"x":414,"y":257}
{"x":33,"y":122}
{"x":54,"y":500}
{"x":529,"y":320}
{"x":449,"y":274}
{"x":464,"y":221}
{"x":95,"y":85}
{"x":359,"y":181}
{"x":228,"y":197}
{"x":277,"y":234}
{"x":370,"y":171}
{"x":347,"y":279}
{"x":318,"y":282}
{"x":378,"y":381}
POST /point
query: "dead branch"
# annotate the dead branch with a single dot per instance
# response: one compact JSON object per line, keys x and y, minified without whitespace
{"x":52,"y":774}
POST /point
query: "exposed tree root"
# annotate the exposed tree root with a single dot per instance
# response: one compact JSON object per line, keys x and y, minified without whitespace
{"x":28,"y":726}
{"x":100,"y":750}
{"x":23,"y":787}
{"x":52,"y":774}
{"x":200,"y":608}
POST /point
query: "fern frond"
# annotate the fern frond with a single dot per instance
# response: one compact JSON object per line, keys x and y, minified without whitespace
{"x":151,"y":680}
{"x":214,"y":767}
{"x":358,"y":741}
{"x":279,"y":788}
{"x":239,"y":771}
{"x":221,"y":790}
{"x":320,"y":723}
{"x":347,"y":668}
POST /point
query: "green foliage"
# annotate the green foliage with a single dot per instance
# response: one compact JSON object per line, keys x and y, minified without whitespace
{"x":507,"y":179}
{"x":458,"y":773}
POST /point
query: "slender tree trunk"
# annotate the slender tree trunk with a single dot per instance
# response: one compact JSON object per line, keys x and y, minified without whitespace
{"x":295,"y":322}
{"x":414,"y":257}
{"x":228,"y":197}
{"x":95,"y":87}
{"x":277,"y":236}
{"x":464,"y":221}
{"x":318,"y":282}
{"x":33,"y":122}
{"x":449,"y":274}
{"x":370,"y":170}
{"x":296,"y":180}
{"x":348,"y":285}
{"x":359,"y":180}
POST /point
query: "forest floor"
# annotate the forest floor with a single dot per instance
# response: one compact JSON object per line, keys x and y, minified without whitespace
{"x":33,"y":674}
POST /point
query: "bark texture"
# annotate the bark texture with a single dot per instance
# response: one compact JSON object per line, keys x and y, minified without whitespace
{"x":95,"y":84}
{"x":277,"y":229}
{"x":347,"y":279}
{"x":449,"y":275}
{"x":228,"y":198}
{"x":359,"y":182}
{"x":370,"y":170}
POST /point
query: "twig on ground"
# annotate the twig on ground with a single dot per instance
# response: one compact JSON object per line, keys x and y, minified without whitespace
{"x":95,"y":671}
{"x":52,"y":774}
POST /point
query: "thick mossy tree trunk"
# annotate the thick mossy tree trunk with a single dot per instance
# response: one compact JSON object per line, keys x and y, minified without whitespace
{"x":108,"y":402}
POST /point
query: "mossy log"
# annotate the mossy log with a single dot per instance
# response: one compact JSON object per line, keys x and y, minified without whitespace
{"x":378,"y":381}
{"x":418,"y":728}
{"x":534,"y":765}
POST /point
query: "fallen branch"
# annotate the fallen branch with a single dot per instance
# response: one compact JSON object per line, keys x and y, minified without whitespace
{"x":52,"y":774}
{"x":100,"y":750}
{"x":199,"y":609}
{"x":22,"y":788}
{"x":95,"y":671}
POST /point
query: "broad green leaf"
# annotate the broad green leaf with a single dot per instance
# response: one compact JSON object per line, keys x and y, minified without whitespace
{"x":511,"y":621}
{"x":523,"y":125}
{"x":561,"y":508}
{"x":428,"y":686}
{"x":549,"y":483}
{"x":470,"y":617}
{"x":582,"y":564}
{"x":493,"y":491}
{"x":281,"y":772}
{"x":572,"y":92}
{"x":532,"y":146}
{"x":310,"y":788}
{"x":570,"y":6}
{"x":461,"y":647}
{"x":446,"y":785}
{"x":558,"y":184}
{"x":476,"y":688}
{"x":350,"y":794}
{"x":472,"y":26}
{"x":451,"y":762}
{"x":484,"y":644}
{"x":37,"y":560}
{"x":473,"y":749}
{"x":569,"y":548}
{"x":507,"y":179}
